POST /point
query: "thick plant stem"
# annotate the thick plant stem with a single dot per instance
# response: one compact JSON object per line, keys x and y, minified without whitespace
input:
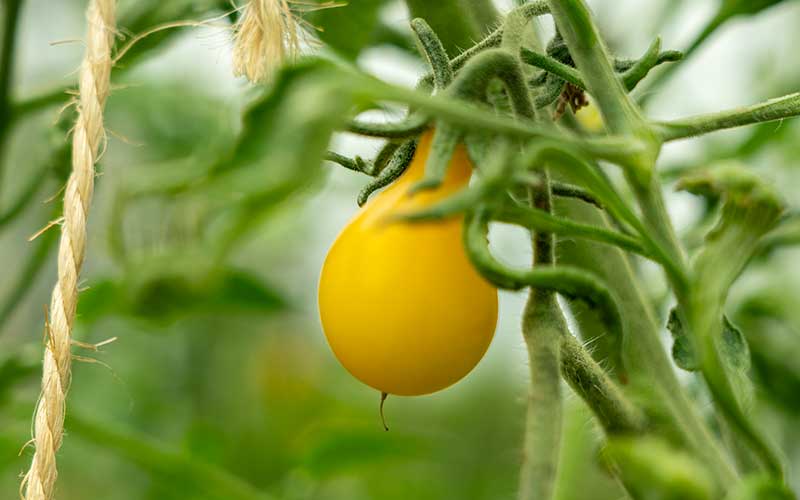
{"x":646,"y":365}
{"x":616,"y":414}
{"x":589,"y":53}
{"x":643,"y":352}
{"x":619,"y":111}
{"x":543,"y":326}
{"x":651,"y":203}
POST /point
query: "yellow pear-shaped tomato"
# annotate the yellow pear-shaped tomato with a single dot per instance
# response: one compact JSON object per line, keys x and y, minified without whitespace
{"x":401,"y":305}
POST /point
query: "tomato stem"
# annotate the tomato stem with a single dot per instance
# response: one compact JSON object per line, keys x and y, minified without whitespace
{"x":380,"y":409}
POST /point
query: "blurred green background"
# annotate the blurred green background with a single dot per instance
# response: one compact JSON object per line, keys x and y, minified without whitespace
{"x":220,"y":383}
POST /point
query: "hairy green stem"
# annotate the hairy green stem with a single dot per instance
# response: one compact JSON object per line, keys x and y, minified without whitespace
{"x":701,"y":310}
{"x":622,"y":116}
{"x":616,"y":414}
{"x":575,"y":17}
{"x":495,"y":38}
{"x":539,"y":220}
{"x":639,"y":70}
{"x":411,"y":126}
{"x":472,"y":117}
{"x":590,"y":176}
{"x":654,"y":211}
{"x":394,"y":168}
{"x":565,"y":190}
{"x":543,"y":326}
{"x":356,"y":164}
{"x":568,"y":281}
{"x":474,"y":79}
{"x":587,"y":49}
{"x":446,"y":139}
{"x":771,"y":110}
{"x":547,"y":63}
{"x":434,"y":52}
{"x":647,"y":367}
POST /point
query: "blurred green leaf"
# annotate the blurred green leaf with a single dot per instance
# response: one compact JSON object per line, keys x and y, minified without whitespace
{"x":171,"y":295}
{"x":653,"y":470}
{"x":14,"y":369}
{"x":283,"y":139}
{"x":338,"y":450}
{"x":348,"y":27}
{"x":775,"y":346}
{"x":176,"y":121}
{"x":166,"y":296}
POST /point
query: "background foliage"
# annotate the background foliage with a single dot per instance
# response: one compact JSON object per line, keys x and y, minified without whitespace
{"x":220,"y":384}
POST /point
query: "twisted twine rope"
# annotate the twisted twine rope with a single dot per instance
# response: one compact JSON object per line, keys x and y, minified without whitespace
{"x":265,"y":35}
{"x":93,"y":85}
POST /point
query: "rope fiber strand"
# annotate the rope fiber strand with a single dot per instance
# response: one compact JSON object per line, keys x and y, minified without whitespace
{"x":48,"y":424}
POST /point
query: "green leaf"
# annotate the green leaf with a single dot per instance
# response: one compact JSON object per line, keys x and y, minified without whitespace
{"x":775,"y":345}
{"x":104,"y":297}
{"x":170,"y":296}
{"x":165,"y":296}
{"x":348,"y":28}
{"x":177,"y":121}
{"x":15,"y":369}
{"x":652,"y":470}
{"x":734,"y":346}
{"x":335,"y":450}
{"x":284,"y":137}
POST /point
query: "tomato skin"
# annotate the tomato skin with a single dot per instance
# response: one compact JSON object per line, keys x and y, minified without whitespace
{"x":402,"y":307}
